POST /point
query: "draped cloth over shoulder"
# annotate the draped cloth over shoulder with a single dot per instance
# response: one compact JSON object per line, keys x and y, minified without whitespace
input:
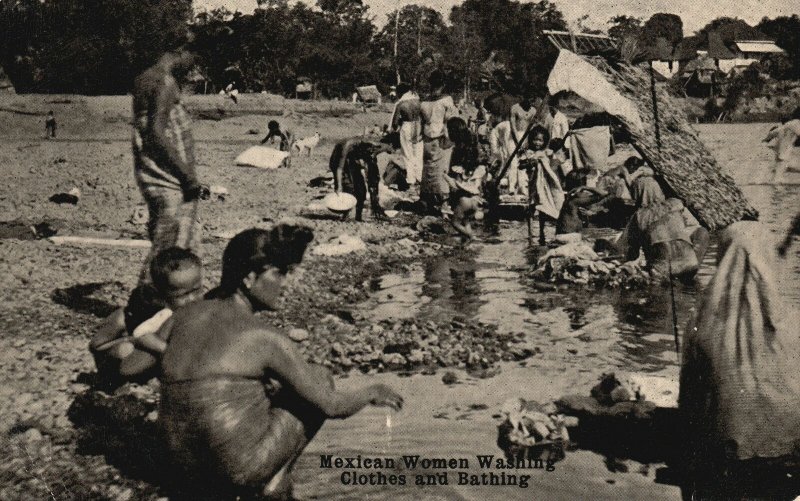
{"x":740,"y":386}
{"x":231,"y":430}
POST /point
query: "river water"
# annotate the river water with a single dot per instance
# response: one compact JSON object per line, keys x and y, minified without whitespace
{"x":581,"y":334}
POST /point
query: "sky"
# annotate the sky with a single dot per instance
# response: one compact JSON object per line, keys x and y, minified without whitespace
{"x":695,"y":13}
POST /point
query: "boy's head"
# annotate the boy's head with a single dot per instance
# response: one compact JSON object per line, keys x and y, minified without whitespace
{"x":273,"y":125}
{"x":50,"y":113}
{"x":436,"y":79}
{"x":177,"y":276}
{"x":402,"y":88}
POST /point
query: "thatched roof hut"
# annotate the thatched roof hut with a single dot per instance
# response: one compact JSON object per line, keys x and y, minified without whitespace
{"x":681,"y":160}
{"x":369,"y":94}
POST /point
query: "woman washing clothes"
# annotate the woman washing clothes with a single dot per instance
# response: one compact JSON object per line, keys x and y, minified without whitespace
{"x":739,"y":384}
{"x":238,"y":401}
{"x":610,"y":196}
{"x":673,"y":241}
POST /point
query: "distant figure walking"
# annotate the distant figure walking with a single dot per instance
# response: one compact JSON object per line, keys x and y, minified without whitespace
{"x":50,"y":125}
{"x":163,"y":153}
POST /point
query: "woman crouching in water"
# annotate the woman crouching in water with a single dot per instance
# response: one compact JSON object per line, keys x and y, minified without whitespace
{"x":239,"y":403}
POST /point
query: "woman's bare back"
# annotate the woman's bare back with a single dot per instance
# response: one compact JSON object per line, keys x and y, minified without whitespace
{"x":212,"y":338}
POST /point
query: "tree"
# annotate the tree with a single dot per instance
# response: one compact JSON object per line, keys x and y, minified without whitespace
{"x":785,"y":30}
{"x":78,"y":46}
{"x":729,"y":29}
{"x":513,"y":31}
{"x":419,"y":35}
{"x":465,"y":49}
{"x":662,"y":25}
{"x":623,"y":27}
{"x":583,"y":26}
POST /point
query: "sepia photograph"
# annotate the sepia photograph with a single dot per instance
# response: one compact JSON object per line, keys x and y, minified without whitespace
{"x":399,"y":250}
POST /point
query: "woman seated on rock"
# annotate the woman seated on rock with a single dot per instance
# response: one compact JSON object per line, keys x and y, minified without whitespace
{"x":239,"y":403}
{"x":739,"y":385}
{"x":673,"y":241}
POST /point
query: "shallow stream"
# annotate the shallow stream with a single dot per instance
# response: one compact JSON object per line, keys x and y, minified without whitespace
{"x":581,"y":333}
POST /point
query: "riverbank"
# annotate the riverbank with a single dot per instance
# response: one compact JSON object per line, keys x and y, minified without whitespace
{"x":476,"y":302}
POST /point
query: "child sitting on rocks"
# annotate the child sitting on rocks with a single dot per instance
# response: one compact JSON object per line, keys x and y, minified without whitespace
{"x":126,"y":346}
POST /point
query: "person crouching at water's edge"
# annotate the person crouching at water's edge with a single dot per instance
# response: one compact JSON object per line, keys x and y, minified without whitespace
{"x":239,"y":403}
{"x":355,"y":170}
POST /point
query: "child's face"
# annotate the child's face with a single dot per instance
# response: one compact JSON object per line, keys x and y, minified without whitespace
{"x":537,"y":143}
{"x":185,"y":286}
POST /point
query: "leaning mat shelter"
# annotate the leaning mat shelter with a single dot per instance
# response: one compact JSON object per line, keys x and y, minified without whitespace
{"x":689,"y":170}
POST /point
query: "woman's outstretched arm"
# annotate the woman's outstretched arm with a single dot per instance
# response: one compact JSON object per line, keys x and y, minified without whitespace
{"x":281,"y":356}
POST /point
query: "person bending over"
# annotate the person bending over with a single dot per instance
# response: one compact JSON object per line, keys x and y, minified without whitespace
{"x":275,"y":134}
{"x":238,"y":401}
{"x":673,"y":241}
{"x":355,"y":171}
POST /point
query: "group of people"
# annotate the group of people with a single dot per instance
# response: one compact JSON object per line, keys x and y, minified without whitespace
{"x":238,"y":401}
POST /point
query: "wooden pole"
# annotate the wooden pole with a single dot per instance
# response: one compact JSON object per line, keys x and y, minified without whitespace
{"x":655,"y":105}
{"x":419,"y":33}
{"x":396,"y":31}
{"x":529,"y":213}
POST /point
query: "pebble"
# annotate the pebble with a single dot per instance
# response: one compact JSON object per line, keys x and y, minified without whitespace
{"x":298,"y":335}
{"x":32,"y":435}
{"x":449,"y":377}
{"x":393,"y":359}
{"x":118,"y":493}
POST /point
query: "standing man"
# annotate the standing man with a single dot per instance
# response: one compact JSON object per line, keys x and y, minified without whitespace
{"x":163,"y":153}
{"x":407,"y":121}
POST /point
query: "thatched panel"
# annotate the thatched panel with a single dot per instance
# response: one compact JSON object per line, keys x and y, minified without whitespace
{"x":682,"y":160}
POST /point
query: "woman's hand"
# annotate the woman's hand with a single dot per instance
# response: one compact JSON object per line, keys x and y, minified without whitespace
{"x":383,"y":396}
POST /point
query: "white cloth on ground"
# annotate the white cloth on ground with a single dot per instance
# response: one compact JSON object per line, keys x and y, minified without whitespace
{"x":262,"y":157}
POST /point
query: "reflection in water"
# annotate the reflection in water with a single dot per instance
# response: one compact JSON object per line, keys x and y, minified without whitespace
{"x":488,"y":283}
